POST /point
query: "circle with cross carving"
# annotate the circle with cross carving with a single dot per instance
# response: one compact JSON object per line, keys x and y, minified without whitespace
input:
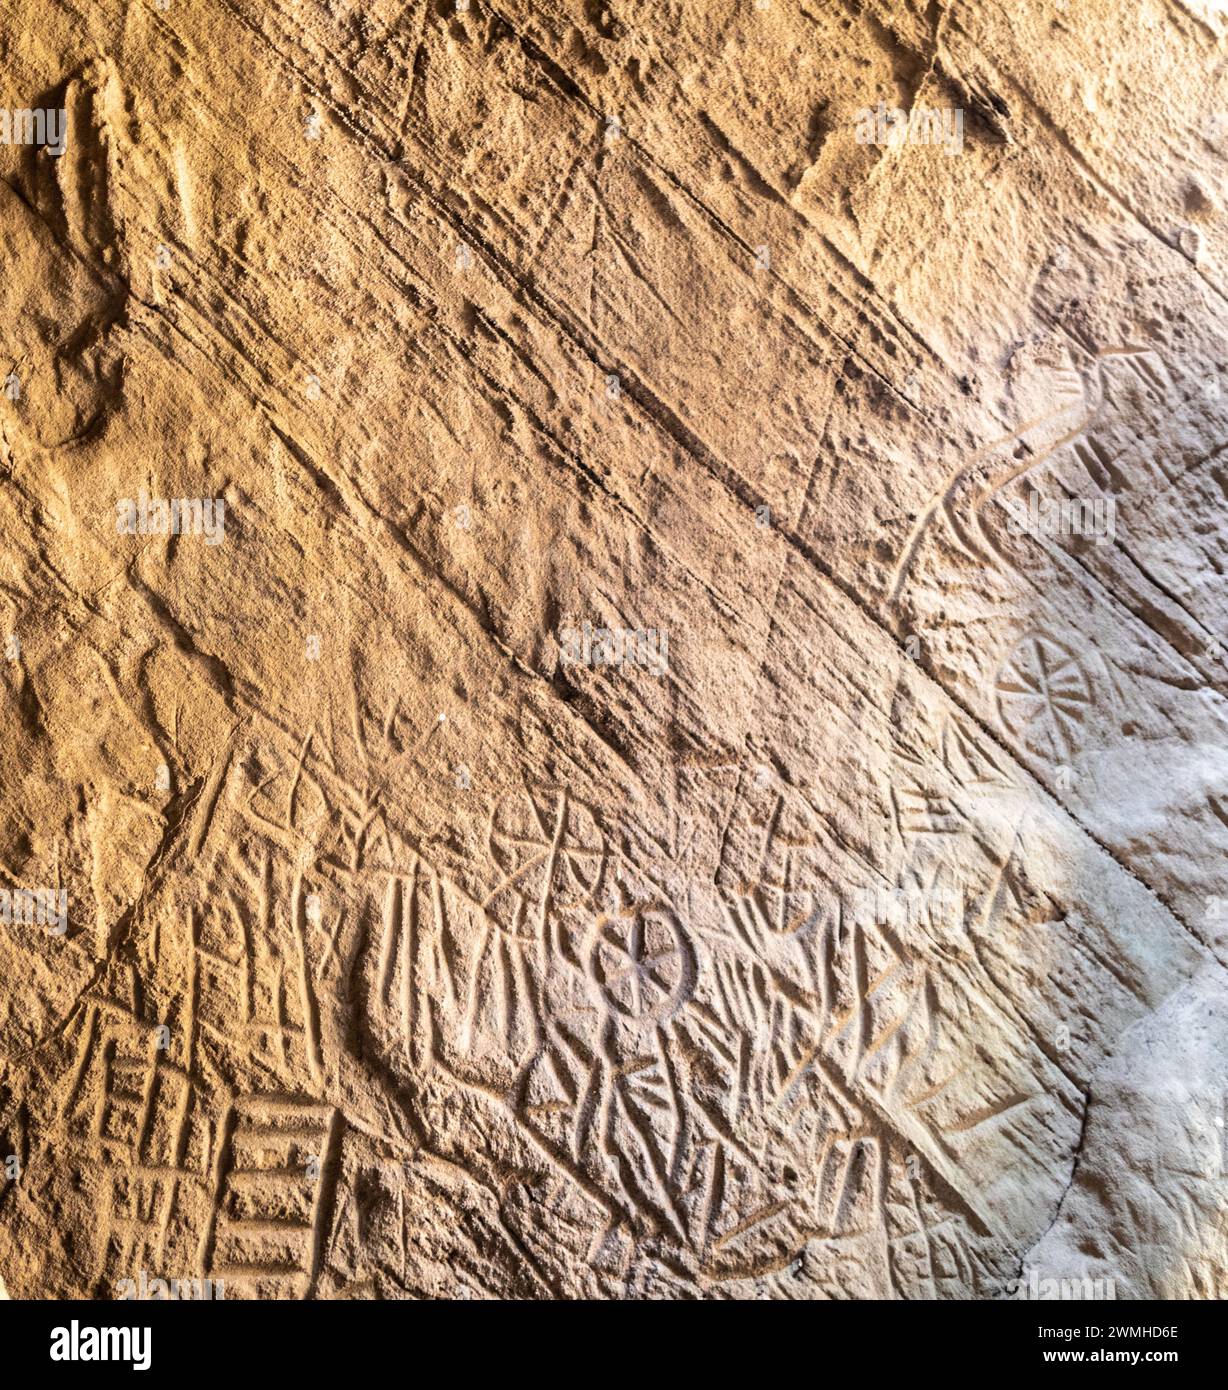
{"x":641,"y":964}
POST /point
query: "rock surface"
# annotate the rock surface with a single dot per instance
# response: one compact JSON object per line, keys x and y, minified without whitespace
{"x":620,"y":778}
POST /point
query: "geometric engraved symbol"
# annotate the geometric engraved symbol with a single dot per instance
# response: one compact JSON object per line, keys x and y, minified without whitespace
{"x":269,"y":1212}
{"x":1043,"y":695}
{"x":547,"y":850}
{"x":641,"y":964}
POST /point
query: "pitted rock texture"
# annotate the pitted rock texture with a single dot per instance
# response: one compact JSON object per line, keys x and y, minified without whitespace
{"x":606,"y":784}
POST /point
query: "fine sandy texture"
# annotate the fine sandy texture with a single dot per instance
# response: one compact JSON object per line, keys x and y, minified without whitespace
{"x":858,"y":927}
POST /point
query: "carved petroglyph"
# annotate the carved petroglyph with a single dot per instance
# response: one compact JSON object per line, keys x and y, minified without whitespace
{"x":384,"y":942}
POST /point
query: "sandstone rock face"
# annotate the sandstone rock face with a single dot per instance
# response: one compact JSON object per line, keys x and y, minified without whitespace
{"x":613,"y":667}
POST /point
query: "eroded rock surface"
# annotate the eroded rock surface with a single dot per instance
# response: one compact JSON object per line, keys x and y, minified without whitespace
{"x":627,"y":781}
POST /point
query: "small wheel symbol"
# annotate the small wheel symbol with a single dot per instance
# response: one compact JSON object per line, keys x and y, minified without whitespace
{"x":641,"y":964}
{"x":1043,"y":695}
